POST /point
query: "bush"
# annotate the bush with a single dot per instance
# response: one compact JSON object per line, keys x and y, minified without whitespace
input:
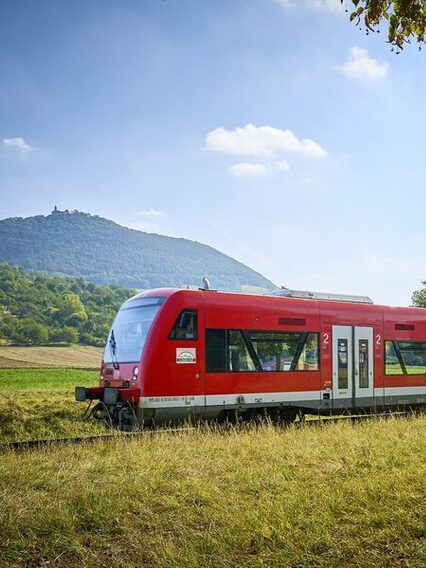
{"x":64,"y":335}
{"x":36,"y":333}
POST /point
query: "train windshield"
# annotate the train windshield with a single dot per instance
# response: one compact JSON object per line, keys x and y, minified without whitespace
{"x":129,"y":331}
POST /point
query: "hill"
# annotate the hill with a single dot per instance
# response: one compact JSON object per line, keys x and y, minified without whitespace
{"x":37,"y":309}
{"x":101,"y":251}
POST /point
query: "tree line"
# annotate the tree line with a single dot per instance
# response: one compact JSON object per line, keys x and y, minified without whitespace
{"x":37,"y":309}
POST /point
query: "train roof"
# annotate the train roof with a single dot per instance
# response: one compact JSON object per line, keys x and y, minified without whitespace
{"x":289,"y":297}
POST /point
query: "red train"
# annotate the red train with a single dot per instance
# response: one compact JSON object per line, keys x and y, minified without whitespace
{"x":180,"y":353}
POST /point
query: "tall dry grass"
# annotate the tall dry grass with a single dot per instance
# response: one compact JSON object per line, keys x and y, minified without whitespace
{"x":332,"y":495}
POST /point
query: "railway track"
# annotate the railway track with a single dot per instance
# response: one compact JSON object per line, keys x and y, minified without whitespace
{"x":38,"y":444}
{"x":315,"y":422}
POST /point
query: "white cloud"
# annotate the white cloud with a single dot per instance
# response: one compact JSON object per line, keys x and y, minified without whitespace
{"x":150,"y":213}
{"x":281,"y":166}
{"x":360,"y":65}
{"x":17,"y":143}
{"x":260,"y":141}
{"x":252,"y":169}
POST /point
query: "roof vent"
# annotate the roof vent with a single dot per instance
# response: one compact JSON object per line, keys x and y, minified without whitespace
{"x":405,"y":327}
{"x":292,"y":321}
{"x":306,"y":295}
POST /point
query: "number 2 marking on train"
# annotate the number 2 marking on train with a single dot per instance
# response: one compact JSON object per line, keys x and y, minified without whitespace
{"x":325,"y":338}
{"x":378,"y":339}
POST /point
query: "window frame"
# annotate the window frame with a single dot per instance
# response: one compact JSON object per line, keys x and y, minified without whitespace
{"x":395,"y":344}
{"x":195,"y":338}
{"x":255,"y":358}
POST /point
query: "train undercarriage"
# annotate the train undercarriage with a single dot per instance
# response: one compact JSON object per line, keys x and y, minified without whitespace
{"x":119,"y":409}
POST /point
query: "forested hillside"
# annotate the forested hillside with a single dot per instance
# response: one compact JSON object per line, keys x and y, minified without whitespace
{"x":78,"y":244}
{"x":36,"y":309}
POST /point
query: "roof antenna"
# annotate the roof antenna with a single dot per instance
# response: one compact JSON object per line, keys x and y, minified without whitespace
{"x":206,"y":284}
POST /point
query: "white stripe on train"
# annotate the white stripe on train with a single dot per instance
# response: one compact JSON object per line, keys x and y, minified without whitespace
{"x":262,"y":398}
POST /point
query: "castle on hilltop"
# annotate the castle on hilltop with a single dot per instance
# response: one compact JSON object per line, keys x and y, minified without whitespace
{"x":57,"y":211}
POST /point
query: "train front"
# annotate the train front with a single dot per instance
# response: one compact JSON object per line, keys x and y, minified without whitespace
{"x":116,"y":399}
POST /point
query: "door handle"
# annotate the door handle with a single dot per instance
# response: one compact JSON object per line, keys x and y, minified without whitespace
{"x":356,"y":371}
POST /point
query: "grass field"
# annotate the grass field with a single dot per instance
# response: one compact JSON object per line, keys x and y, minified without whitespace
{"x":331,"y":495}
{"x":76,"y":356}
{"x":39,"y":403}
{"x":328,"y":496}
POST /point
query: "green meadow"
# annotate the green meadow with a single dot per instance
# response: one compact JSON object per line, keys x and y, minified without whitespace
{"x":39,"y":403}
{"x":329,"y":495}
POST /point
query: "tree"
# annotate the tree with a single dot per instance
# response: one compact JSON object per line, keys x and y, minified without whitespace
{"x":72,"y":310}
{"x":419,"y":297}
{"x":405,"y":19}
{"x":53,"y":303}
{"x":36,"y":333}
{"x":65,"y":335}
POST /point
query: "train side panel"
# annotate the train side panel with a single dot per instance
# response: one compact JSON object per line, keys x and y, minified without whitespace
{"x":208,"y":352}
{"x":173,"y":379}
{"x":404,"y":326}
{"x":258,"y":388}
{"x":355,"y":319}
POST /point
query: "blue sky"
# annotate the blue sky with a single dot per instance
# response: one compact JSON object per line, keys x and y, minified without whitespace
{"x":273,"y":130}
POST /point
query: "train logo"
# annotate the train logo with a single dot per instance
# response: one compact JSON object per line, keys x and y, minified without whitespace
{"x":186,"y":355}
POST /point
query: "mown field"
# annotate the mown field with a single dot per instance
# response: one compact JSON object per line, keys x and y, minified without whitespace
{"x":76,"y":356}
{"x":39,"y":403}
{"x":329,"y":495}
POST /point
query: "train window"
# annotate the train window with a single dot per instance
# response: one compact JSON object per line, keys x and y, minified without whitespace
{"x":308,"y":360}
{"x":226,"y":350}
{"x":275,"y":351}
{"x":216,"y":353}
{"x":236,"y":350}
{"x":363,"y":363}
{"x":185,"y":326}
{"x":278,"y":351}
{"x":392,"y":362}
{"x":239,"y":358}
{"x":405,"y":357}
{"x":413,"y":355}
{"x":342,"y":366}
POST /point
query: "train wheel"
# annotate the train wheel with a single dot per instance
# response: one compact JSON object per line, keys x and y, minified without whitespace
{"x":290,"y":414}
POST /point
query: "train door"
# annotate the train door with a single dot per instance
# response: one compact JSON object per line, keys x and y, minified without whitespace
{"x":342,"y":379}
{"x":353,"y":375}
{"x":364,"y":365}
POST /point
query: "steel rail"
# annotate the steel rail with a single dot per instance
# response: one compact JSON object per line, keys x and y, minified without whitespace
{"x":38,"y":444}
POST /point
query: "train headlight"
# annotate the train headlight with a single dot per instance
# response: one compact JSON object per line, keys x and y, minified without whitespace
{"x":135,"y":373}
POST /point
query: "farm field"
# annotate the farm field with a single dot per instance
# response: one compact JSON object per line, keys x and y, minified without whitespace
{"x":76,"y":356}
{"x":39,"y":403}
{"x":334,"y":495}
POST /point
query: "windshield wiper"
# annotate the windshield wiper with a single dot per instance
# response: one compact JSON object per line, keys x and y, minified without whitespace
{"x":113,"y":349}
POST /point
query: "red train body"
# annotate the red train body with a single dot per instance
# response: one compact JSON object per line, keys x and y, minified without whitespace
{"x":179,"y":353}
